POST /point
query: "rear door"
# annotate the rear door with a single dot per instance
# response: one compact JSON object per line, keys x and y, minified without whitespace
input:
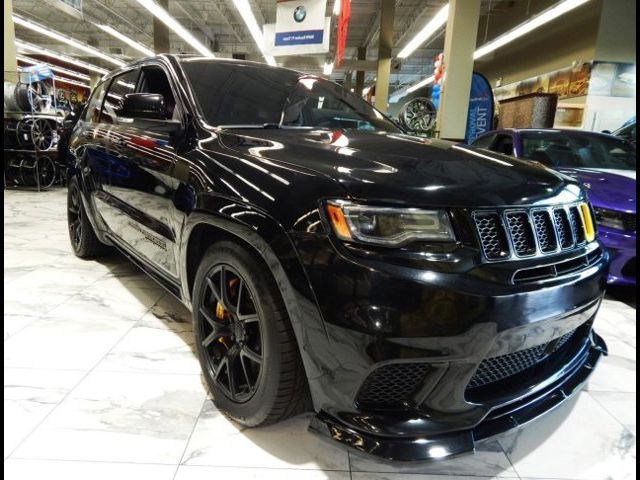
{"x":140,"y":193}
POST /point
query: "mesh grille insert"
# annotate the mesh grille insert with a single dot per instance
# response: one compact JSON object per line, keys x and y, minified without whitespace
{"x":544,"y":231}
{"x":495,"y":369}
{"x":492,"y":236}
{"x":563,"y":227}
{"x":391,"y":385}
{"x":521,"y":233}
{"x":576,"y":225}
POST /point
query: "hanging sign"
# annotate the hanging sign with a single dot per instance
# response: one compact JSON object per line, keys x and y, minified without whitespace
{"x":300,"y":22}
{"x":343,"y":26}
{"x":480,"y":114}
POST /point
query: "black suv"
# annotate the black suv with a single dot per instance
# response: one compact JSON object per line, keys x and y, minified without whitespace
{"x":417,"y":294}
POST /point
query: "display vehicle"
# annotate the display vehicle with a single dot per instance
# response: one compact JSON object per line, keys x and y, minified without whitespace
{"x":605,"y":164}
{"x":418,"y":295}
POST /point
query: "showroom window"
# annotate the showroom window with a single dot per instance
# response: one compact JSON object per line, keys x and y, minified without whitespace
{"x":120,"y":86}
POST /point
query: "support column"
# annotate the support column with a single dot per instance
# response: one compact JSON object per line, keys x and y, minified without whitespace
{"x":362,"y":55}
{"x":459,"y":45}
{"x":10,"y":62}
{"x":161,"y":31}
{"x":385,"y":44}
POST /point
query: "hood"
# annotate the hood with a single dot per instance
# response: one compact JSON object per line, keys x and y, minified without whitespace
{"x":611,"y":189}
{"x":402,"y":169}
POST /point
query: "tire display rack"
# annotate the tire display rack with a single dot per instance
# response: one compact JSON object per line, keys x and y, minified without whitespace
{"x":30,"y":131}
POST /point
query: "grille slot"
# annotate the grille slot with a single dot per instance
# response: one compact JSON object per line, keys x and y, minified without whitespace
{"x":563,"y":227}
{"x":576,"y":225}
{"x":494,"y":369}
{"x":544,"y":231}
{"x":391,"y":385}
{"x":521,"y":233}
{"x":629,"y":220}
{"x":492,"y":235}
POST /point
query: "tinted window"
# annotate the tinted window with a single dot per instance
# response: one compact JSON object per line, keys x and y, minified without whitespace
{"x":572,"y":150}
{"x":503,"y":144}
{"x":120,"y":86}
{"x":154,"y":80}
{"x":484,"y":142}
{"x":239,"y":94}
{"x":94,"y":106}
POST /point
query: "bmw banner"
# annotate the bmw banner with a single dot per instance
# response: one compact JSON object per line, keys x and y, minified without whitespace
{"x":480,"y":114}
{"x":300,"y":22}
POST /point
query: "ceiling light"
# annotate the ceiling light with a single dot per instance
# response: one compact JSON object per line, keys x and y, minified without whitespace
{"x":366,"y":91}
{"x":28,"y":47}
{"x":72,"y":82}
{"x":327,"y":69}
{"x":427,"y":32}
{"x":250,"y":21}
{"x":526,"y":27}
{"x":68,"y":40}
{"x":421,"y":84}
{"x":336,"y":7}
{"x":55,"y":68}
{"x":164,"y":16}
{"x":129,"y":41}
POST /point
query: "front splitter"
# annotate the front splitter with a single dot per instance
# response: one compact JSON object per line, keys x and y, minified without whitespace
{"x":435,"y":447}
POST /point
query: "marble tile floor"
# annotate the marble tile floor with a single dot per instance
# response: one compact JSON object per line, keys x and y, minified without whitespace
{"x":101,"y":382}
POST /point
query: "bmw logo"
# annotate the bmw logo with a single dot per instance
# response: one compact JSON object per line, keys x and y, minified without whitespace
{"x":299,"y":14}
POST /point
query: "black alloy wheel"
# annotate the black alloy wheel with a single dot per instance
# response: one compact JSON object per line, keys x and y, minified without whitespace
{"x":74,"y":216}
{"x":84,"y":242}
{"x":231,"y":334}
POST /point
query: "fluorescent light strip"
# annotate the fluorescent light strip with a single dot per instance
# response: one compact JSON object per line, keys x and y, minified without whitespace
{"x":336,"y":7}
{"x":72,"y":82}
{"x":28,"y":47}
{"x":164,"y":16}
{"x":427,"y":32}
{"x":55,"y":68}
{"x":327,"y":69}
{"x":129,"y":41}
{"x":526,"y":27}
{"x":69,"y":41}
{"x":423,"y":83}
{"x":252,"y":24}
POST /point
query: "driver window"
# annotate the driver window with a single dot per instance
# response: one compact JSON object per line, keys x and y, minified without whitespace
{"x":154,"y":80}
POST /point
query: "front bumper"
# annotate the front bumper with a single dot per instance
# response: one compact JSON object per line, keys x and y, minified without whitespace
{"x":622,"y":249}
{"x":448,"y":316}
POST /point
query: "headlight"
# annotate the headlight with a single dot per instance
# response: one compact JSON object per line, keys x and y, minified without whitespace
{"x":609,"y":218}
{"x":390,"y":227}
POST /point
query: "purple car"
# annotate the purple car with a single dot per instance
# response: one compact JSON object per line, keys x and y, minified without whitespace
{"x":604,"y":163}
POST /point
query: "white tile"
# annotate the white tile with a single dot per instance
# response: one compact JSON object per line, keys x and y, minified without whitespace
{"x":117,"y":417}
{"x":14,"y":323}
{"x":489,"y":460}
{"x":186,"y":472}
{"x":218,"y":441}
{"x":621,"y":405}
{"x":579,"y":440}
{"x":617,"y":371}
{"x":29,"y":396}
{"x":19,"y":469}
{"x":68,"y":344}
{"x":413,"y":476}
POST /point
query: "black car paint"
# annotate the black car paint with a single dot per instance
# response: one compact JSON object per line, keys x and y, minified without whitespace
{"x":352,"y":307}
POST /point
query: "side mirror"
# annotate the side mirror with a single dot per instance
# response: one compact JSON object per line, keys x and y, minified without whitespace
{"x":144,"y":106}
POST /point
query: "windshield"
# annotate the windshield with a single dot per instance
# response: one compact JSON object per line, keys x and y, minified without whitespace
{"x":573,"y":150}
{"x":245,"y":94}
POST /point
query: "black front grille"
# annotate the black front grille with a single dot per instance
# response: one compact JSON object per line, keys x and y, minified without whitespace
{"x":563,"y":227}
{"x":392,"y":385}
{"x":629,"y":220}
{"x":576,"y":225}
{"x":544,"y":231}
{"x":521,"y":233}
{"x":495,"y":369}
{"x":492,"y":235}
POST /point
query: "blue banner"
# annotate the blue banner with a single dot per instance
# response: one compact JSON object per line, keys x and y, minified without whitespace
{"x":480,"y":115}
{"x":308,"y":37}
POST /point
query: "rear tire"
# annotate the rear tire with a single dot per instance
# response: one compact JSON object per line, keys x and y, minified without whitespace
{"x":238,"y":308}
{"x":84,"y":242}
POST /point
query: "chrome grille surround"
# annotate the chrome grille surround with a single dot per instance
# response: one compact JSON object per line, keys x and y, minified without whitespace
{"x":513,"y":233}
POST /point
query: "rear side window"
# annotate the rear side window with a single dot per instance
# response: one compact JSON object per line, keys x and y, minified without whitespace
{"x":120,"y":86}
{"x":503,"y":144}
{"x":484,"y":142}
{"x":92,"y":113}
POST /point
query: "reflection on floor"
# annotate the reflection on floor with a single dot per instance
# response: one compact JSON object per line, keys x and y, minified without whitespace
{"x":100,"y":381}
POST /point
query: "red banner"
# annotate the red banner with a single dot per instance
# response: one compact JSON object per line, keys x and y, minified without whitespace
{"x":343,"y":25}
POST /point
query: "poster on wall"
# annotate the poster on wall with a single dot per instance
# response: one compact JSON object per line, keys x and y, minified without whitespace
{"x":480,"y":114}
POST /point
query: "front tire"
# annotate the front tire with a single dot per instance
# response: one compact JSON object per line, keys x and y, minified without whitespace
{"x":84,"y":242}
{"x":245,"y":343}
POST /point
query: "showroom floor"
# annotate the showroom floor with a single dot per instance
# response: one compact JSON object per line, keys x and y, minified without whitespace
{"x":101,"y":382}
